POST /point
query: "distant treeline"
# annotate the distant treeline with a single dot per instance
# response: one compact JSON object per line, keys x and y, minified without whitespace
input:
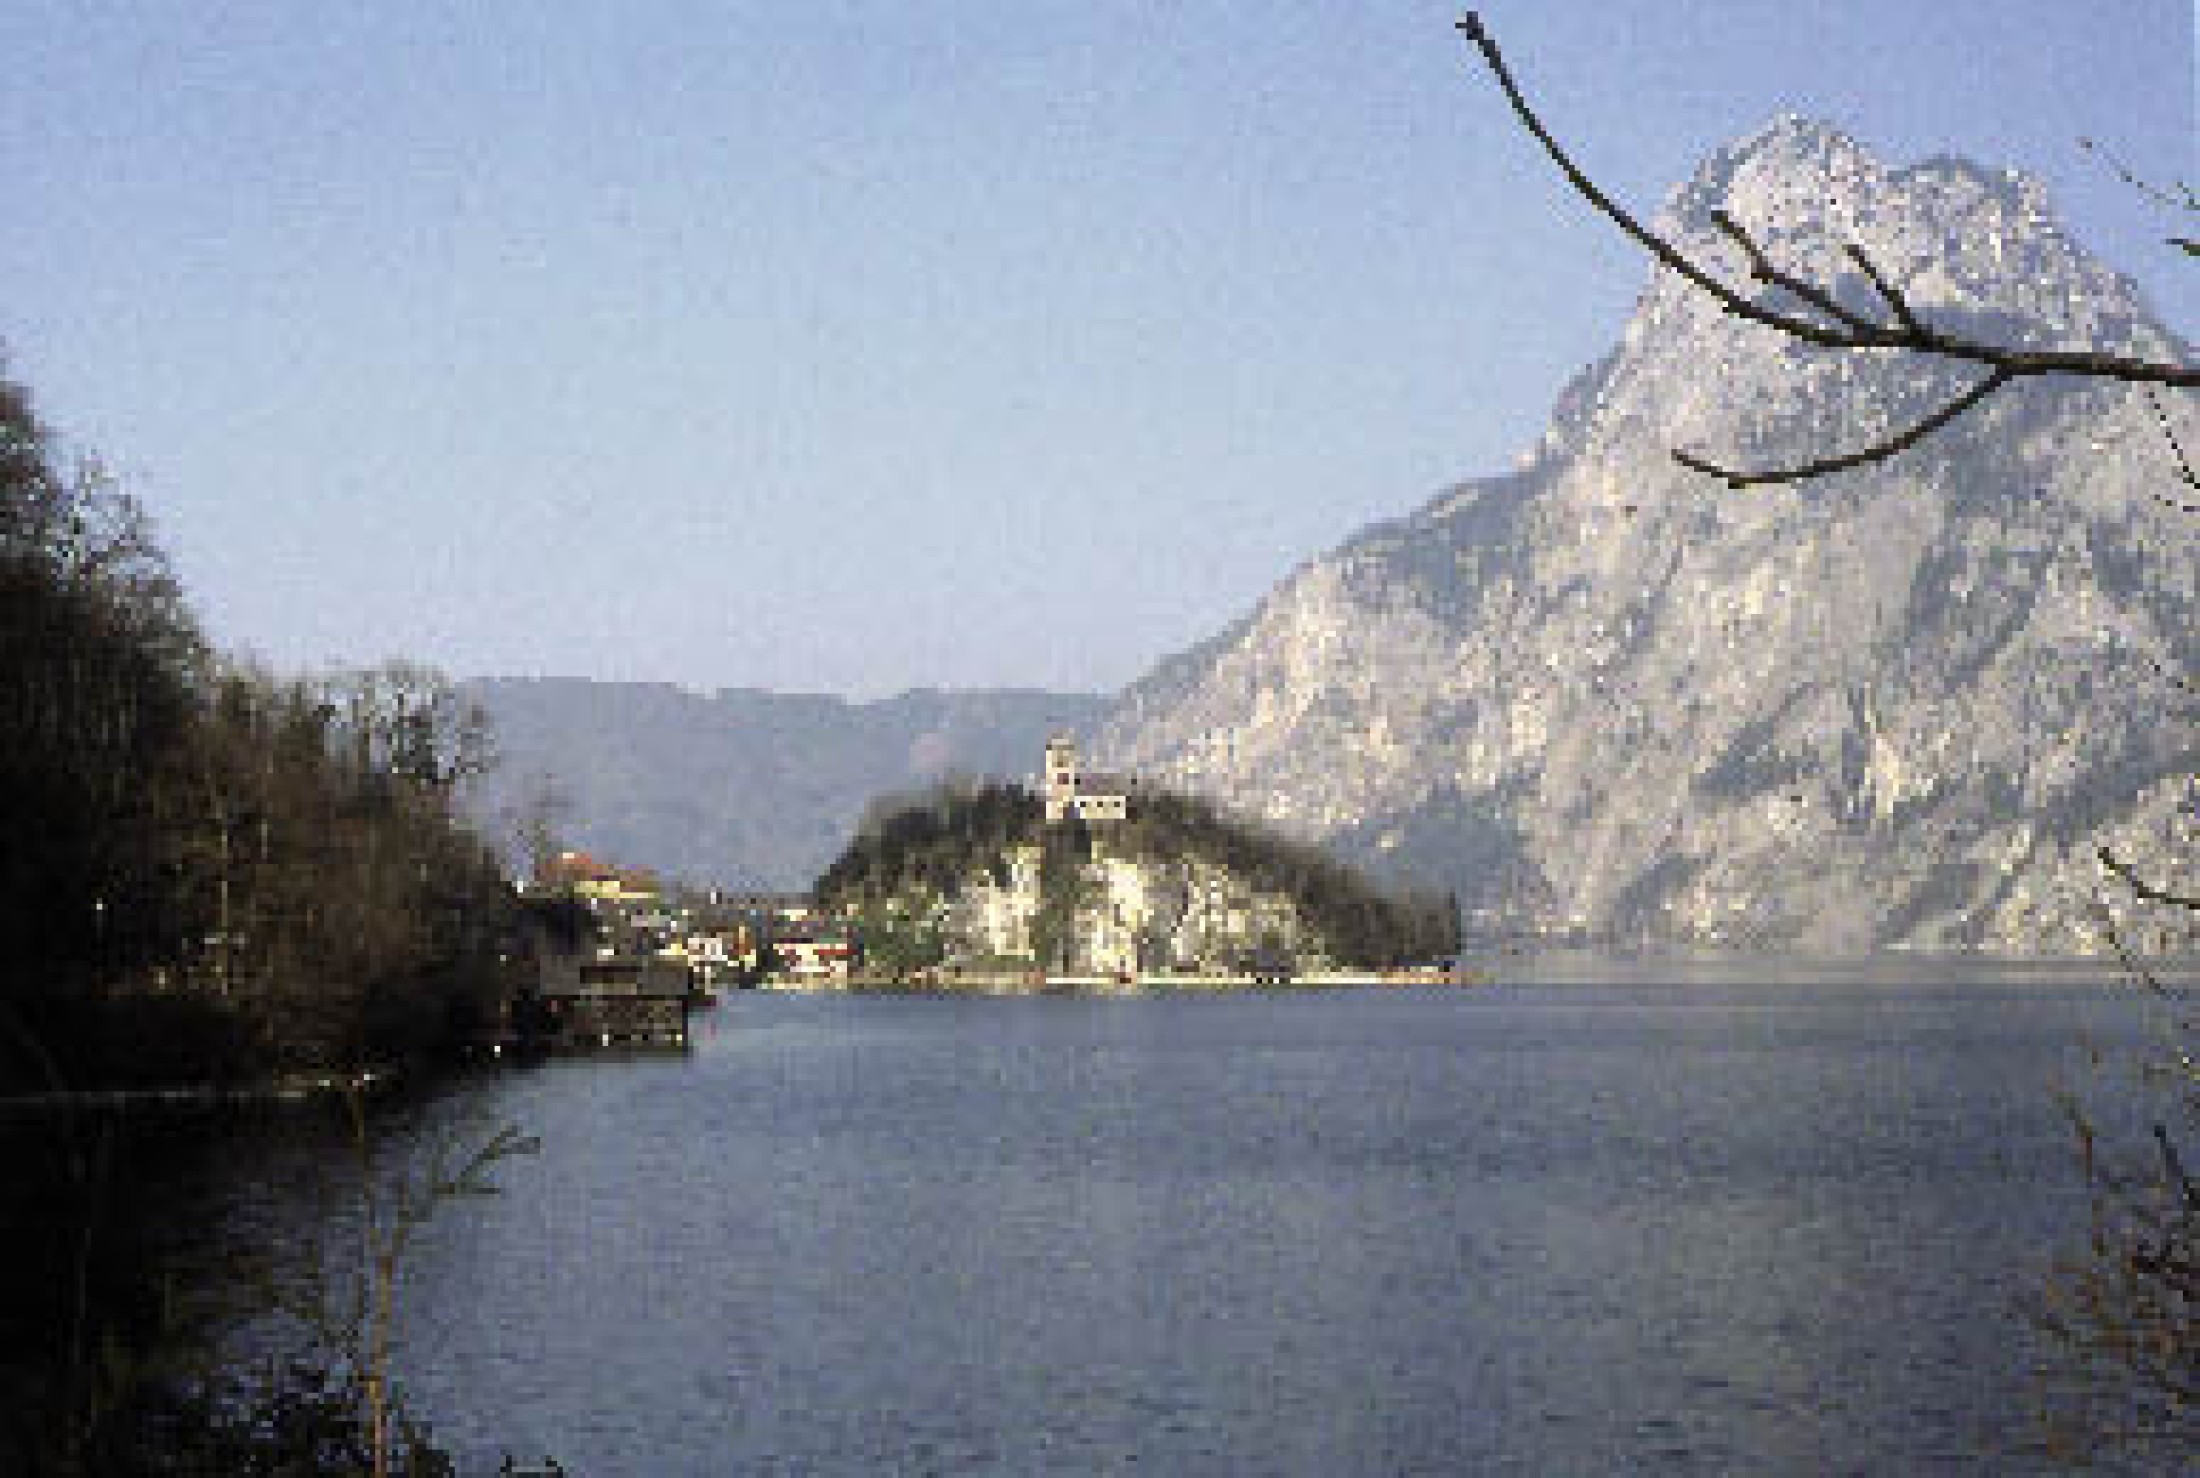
{"x":935,"y":840}
{"x":1361,"y":922}
{"x":930,"y":840}
{"x":209,"y":871}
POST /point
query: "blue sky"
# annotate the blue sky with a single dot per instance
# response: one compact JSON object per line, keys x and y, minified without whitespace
{"x":855,"y":347}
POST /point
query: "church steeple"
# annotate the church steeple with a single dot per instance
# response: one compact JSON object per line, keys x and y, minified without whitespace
{"x":1060,"y":779}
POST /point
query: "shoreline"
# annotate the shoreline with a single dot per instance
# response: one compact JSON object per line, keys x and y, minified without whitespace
{"x":284,"y":1089}
{"x":1143,"y":985}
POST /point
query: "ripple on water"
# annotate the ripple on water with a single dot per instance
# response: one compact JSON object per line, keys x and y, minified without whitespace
{"x":1629,"y":1226}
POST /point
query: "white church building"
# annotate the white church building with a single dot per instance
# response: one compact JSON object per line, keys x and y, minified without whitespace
{"x":1071,"y":791}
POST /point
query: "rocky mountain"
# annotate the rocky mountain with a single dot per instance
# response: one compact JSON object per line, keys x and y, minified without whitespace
{"x":742,"y":787}
{"x":1901,"y":706}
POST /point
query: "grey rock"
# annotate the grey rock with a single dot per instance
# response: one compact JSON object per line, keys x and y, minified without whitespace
{"x":1605,"y":696}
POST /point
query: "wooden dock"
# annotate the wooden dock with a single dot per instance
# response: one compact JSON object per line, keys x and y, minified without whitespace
{"x":609,"y":1001}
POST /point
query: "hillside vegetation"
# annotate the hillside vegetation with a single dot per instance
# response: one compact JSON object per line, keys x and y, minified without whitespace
{"x":211,"y":876}
{"x":215,"y":872}
{"x":938,"y":845}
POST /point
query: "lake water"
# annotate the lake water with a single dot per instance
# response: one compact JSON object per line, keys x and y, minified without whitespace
{"x":1589,"y":1222}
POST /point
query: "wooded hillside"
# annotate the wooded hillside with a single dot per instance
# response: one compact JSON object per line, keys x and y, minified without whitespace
{"x":211,"y":872}
{"x":939,"y":842}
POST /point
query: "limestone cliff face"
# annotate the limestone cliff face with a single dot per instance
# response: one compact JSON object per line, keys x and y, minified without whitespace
{"x":1899,"y":706}
{"x":1131,"y":915}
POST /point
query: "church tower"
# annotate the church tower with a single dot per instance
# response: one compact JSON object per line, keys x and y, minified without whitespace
{"x":1061,"y":777}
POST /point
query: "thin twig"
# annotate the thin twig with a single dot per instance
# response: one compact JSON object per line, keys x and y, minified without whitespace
{"x":2019,"y":362}
{"x":2151,"y":892}
{"x":1850,"y":330}
{"x":1886,"y":290}
{"x":1878,"y":451}
{"x":2133,"y":965}
{"x":2185,"y":199}
{"x":1762,"y":269}
{"x":2177,"y":448}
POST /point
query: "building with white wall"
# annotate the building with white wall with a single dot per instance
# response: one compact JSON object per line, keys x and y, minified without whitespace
{"x":1070,"y":790}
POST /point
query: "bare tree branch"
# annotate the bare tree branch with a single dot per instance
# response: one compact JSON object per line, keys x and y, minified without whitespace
{"x":2140,"y":886}
{"x":2136,"y":968}
{"x":1762,"y":270}
{"x":1849,"y":329}
{"x":2184,"y":463}
{"x":2185,"y":197}
{"x":1886,"y":289}
{"x":1878,"y":451}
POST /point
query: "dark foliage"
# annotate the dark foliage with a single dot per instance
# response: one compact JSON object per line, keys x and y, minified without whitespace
{"x":225,"y":873}
{"x":2125,"y":1313}
{"x":291,"y":1421}
{"x":209,"y":876}
{"x":1360,"y":923}
{"x":936,"y":841}
{"x":933,"y":840}
{"x":97,"y":665}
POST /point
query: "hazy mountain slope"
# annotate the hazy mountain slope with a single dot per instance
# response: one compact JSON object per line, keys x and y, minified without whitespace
{"x":1898,"y":706}
{"x":743,"y":787}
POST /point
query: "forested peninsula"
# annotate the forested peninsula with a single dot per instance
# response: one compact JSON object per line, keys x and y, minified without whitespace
{"x":975,"y":879}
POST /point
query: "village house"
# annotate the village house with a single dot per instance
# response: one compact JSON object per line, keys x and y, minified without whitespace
{"x":719,"y":951}
{"x":585,"y":877}
{"x":814,"y":952}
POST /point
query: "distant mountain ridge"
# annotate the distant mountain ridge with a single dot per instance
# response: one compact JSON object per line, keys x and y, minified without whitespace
{"x":745,"y":788}
{"x":1604,"y":696}
{"x":1601,"y":696}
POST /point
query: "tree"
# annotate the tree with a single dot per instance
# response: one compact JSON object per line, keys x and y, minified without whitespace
{"x":898,"y":942}
{"x":537,"y":821}
{"x":98,"y":665}
{"x":1066,"y":891}
{"x":229,"y":869}
{"x":209,"y":873}
{"x":2127,"y":1312}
